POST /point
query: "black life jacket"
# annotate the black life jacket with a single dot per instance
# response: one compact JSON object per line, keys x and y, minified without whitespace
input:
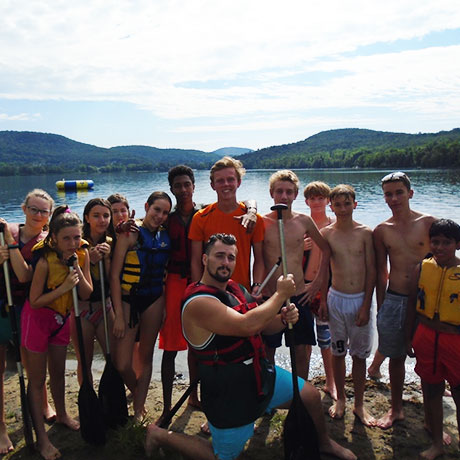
{"x":237,"y":381}
{"x":144,"y":267}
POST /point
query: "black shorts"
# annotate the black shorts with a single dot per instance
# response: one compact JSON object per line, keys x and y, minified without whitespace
{"x":304,"y":332}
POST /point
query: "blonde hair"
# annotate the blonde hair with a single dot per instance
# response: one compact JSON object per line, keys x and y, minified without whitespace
{"x":284,"y":175}
{"x":39,"y":193}
{"x":343,"y":190}
{"x":228,"y":162}
{"x":316,"y":188}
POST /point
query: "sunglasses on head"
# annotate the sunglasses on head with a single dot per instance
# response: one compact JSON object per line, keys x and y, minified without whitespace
{"x":395,"y":176}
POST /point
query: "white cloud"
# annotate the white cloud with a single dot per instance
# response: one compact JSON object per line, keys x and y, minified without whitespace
{"x":18,"y":117}
{"x":144,"y":51}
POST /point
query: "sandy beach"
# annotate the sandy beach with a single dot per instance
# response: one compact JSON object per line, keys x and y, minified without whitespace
{"x":404,"y":441}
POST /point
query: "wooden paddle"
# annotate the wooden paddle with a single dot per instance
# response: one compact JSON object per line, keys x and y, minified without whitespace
{"x":92,"y":426}
{"x":300,"y":435}
{"x":27,"y":423}
{"x":112,"y":394}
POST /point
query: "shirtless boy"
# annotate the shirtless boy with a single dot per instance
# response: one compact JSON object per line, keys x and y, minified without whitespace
{"x":403,"y":238}
{"x":284,"y":186}
{"x":317,"y":198}
{"x":349,"y":298}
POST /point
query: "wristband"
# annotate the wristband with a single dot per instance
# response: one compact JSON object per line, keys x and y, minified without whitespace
{"x":255,"y":285}
{"x":15,"y":245}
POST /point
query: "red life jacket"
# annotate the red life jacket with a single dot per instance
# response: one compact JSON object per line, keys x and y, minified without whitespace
{"x":20,"y":291}
{"x":223,"y":363}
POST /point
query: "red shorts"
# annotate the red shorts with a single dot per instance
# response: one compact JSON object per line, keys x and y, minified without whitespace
{"x":41,"y":327}
{"x":434,"y":366}
{"x":171,"y":337}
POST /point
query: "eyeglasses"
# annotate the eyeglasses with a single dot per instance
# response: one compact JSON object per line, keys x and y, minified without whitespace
{"x":395,"y":176}
{"x":35,"y":211}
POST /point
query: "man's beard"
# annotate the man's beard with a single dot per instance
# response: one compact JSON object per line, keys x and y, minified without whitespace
{"x":220,"y":278}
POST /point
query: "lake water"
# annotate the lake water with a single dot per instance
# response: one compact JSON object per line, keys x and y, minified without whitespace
{"x":435,"y":192}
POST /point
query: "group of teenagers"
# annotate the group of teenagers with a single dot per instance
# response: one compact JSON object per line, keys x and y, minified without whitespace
{"x":187,"y":275}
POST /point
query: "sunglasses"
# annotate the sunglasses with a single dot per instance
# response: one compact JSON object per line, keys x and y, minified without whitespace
{"x":395,"y":176}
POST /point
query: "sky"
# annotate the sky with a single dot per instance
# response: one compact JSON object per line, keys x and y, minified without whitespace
{"x":206,"y":74}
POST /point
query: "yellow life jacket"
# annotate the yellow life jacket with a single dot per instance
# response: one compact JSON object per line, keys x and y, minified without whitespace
{"x":57,"y":273}
{"x":439,"y":292}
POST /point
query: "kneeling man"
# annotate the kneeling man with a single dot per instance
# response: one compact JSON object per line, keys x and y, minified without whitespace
{"x":221,"y":323}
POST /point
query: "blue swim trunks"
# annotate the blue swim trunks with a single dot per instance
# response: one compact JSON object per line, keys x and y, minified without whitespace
{"x":228,"y":443}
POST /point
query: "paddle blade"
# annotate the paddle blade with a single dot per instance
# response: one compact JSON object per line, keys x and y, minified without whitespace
{"x":112,"y":396}
{"x":92,"y":426}
{"x":300,"y":436}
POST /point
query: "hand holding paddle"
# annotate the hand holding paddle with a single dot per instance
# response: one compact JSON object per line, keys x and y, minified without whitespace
{"x":300,"y":435}
{"x":28,"y":436}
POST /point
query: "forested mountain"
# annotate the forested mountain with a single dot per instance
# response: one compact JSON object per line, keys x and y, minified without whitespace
{"x":231,"y":151}
{"x":34,"y":153}
{"x":348,"y":148}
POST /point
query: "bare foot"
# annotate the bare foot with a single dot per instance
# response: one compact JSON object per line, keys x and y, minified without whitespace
{"x":331,"y":391}
{"x":48,"y":451}
{"x":374,"y":374}
{"x":194,"y":402}
{"x":5,"y":442}
{"x":389,"y":419}
{"x":336,"y":450}
{"x":364,"y":417}
{"x":150,"y":438}
{"x":49,"y":414}
{"x":446,"y":439}
{"x":337,"y":409}
{"x":69,"y":422}
{"x":432,"y":453}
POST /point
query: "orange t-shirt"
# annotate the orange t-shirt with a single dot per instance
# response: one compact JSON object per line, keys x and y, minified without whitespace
{"x":212,"y":220}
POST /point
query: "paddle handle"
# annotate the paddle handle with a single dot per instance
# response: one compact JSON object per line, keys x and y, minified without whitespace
{"x":81,"y":342}
{"x":104,"y":313}
{"x":6,"y":272}
{"x":268,"y":277}
{"x":279,"y":209}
